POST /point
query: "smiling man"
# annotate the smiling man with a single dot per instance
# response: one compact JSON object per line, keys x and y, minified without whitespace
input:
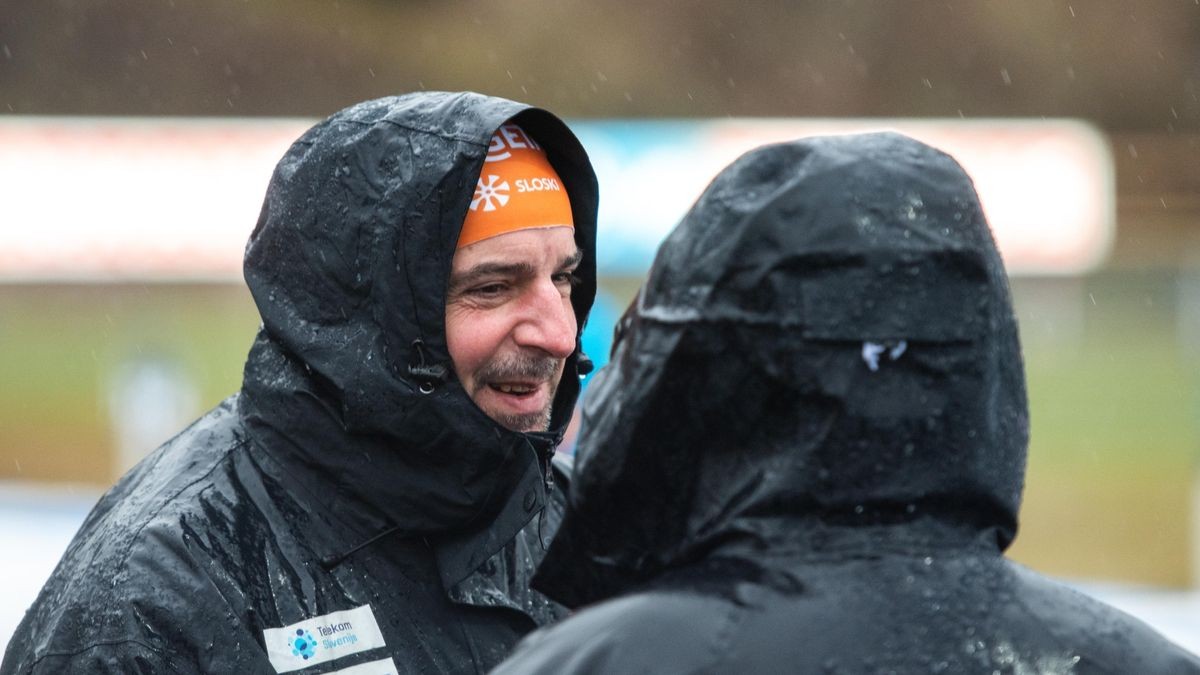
{"x":510,"y":324}
{"x":376,"y":497}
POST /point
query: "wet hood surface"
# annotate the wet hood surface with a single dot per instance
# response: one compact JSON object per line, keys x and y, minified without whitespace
{"x":825,"y":354}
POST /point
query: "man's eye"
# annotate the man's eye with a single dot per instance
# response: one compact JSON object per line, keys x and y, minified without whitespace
{"x":568,"y":278}
{"x":487,"y":290}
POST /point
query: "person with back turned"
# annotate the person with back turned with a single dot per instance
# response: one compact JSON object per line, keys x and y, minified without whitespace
{"x":807,"y":452}
{"x":375,"y":498}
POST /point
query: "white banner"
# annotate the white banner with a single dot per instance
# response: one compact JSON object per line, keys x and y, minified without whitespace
{"x":174,"y":199}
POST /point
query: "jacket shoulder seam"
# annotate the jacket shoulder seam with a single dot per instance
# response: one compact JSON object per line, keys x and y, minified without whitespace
{"x":105,"y":643}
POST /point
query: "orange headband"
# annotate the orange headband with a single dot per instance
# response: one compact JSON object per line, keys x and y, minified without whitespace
{"x":517,"y":190}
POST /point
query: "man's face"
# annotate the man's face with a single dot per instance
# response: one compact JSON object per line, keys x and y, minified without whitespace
{"x":510,"y":325}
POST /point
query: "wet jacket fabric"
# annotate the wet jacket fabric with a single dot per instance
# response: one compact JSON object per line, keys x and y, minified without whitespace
{"x":350,"y":505}
{"x":807,"y":452}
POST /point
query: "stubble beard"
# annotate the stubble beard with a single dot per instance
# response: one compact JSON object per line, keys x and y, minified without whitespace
{"x":520,"y":366}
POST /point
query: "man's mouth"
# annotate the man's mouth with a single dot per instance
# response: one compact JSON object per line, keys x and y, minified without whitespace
{"x":516,"y":389}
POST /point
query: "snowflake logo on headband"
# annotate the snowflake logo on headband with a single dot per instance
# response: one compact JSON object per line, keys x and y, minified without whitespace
{"x":491,"y":194}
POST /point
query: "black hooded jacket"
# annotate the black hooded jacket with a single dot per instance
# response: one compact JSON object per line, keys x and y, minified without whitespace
{"x":808,"y":450}
{"x":351,"y":505}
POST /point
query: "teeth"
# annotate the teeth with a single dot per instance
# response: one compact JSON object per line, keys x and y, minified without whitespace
{"x":514,"y":389}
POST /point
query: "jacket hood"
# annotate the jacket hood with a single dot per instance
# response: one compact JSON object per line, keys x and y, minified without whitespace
{"x":348,"y":265}
{"x":825,"y":344}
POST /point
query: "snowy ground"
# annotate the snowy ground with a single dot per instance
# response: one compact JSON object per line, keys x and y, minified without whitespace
{"x":36,"y":524}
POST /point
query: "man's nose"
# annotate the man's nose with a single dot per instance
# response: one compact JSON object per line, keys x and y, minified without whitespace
{"x":548,"y":323}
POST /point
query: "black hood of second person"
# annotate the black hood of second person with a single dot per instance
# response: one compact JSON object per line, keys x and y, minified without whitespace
{"x":826,"y":344}
{"x":350,"y":373}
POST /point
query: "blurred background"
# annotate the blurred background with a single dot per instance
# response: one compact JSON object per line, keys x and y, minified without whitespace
{"x":136,"y":139}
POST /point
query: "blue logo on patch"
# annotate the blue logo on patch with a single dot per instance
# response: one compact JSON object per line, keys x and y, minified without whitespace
{"x":303,"y":644}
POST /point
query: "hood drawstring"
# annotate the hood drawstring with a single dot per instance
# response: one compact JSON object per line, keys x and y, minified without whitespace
{"x":332,"y":561}
{"x":429,"y":376}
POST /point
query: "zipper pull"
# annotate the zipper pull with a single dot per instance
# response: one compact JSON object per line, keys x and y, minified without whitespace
{"x":549,"y":473}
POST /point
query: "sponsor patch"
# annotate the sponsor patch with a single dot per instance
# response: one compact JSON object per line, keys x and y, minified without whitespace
{"x":324,"y":638}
